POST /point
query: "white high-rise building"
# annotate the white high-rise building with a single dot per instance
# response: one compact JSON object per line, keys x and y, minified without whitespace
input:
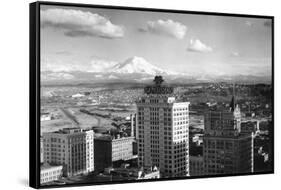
{"x":163,"y":131}
{"x":71,"y":147}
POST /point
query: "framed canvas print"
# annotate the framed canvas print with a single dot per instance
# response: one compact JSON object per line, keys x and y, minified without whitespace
{"x":122,"y":94}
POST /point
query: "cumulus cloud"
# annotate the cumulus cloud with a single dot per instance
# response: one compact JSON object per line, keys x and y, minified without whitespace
{"x":76,"y":23}
{"x":47,"y":76}
{"x":100,"y":65}
{"x":195,"y":45}
{"x":57,"y":65}
{"x":167,"y":28}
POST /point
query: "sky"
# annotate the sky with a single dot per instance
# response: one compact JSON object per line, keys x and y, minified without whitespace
{"x":80,"y":38}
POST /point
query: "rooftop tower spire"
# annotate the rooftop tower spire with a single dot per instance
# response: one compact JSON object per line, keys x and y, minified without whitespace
{"x":158,"y":88}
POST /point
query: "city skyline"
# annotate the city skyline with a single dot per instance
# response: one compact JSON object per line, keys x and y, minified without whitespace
{"x":134,"y":95}
{"x":91,"y":40}
{"x":162,"y":136}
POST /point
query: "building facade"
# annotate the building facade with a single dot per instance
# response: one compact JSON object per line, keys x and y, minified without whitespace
{"x":163,"y":131}
{"x":226,"y":150}
{"x":149,"y":174}
{"x":41,"y":150}
{"x":109,"y":150}
{"x":122,"y":148}
{"x":50,"y":173}
{"x":250,"y":127}
{"x":196,"y":166}
{"x":71,"y":147}
{"x":133,"y":119}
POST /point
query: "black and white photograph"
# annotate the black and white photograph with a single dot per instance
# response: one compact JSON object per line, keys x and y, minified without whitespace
{"x":134,"y":95}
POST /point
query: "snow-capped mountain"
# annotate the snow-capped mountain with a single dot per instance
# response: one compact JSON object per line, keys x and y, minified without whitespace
{"x":132,"y":65}
{"x":137,"y":65}
{"x":135,"y":69}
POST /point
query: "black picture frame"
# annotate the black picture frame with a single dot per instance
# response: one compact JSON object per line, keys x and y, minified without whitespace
{"x":34,"y":91}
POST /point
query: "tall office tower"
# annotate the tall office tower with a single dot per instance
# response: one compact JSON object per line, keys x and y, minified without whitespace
{"x":162,"y":130}
{"x":226,"y":150}
{"x":71,"y":147}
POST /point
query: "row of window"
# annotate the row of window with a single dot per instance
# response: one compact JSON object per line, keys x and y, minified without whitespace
{"x":48,"y":179}
{"x":181,"y":123}
{"x":56,"y":172}
{"x":181,"y":114}
{"x":180,"y":118}
{"x":180,"y":109}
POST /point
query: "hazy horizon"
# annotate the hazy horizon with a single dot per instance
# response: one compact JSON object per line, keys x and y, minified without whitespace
{"x":95,"y":40}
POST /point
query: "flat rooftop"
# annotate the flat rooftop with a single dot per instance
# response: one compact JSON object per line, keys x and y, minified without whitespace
{"x":109,"y":137}
{"x":48,"y":166}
